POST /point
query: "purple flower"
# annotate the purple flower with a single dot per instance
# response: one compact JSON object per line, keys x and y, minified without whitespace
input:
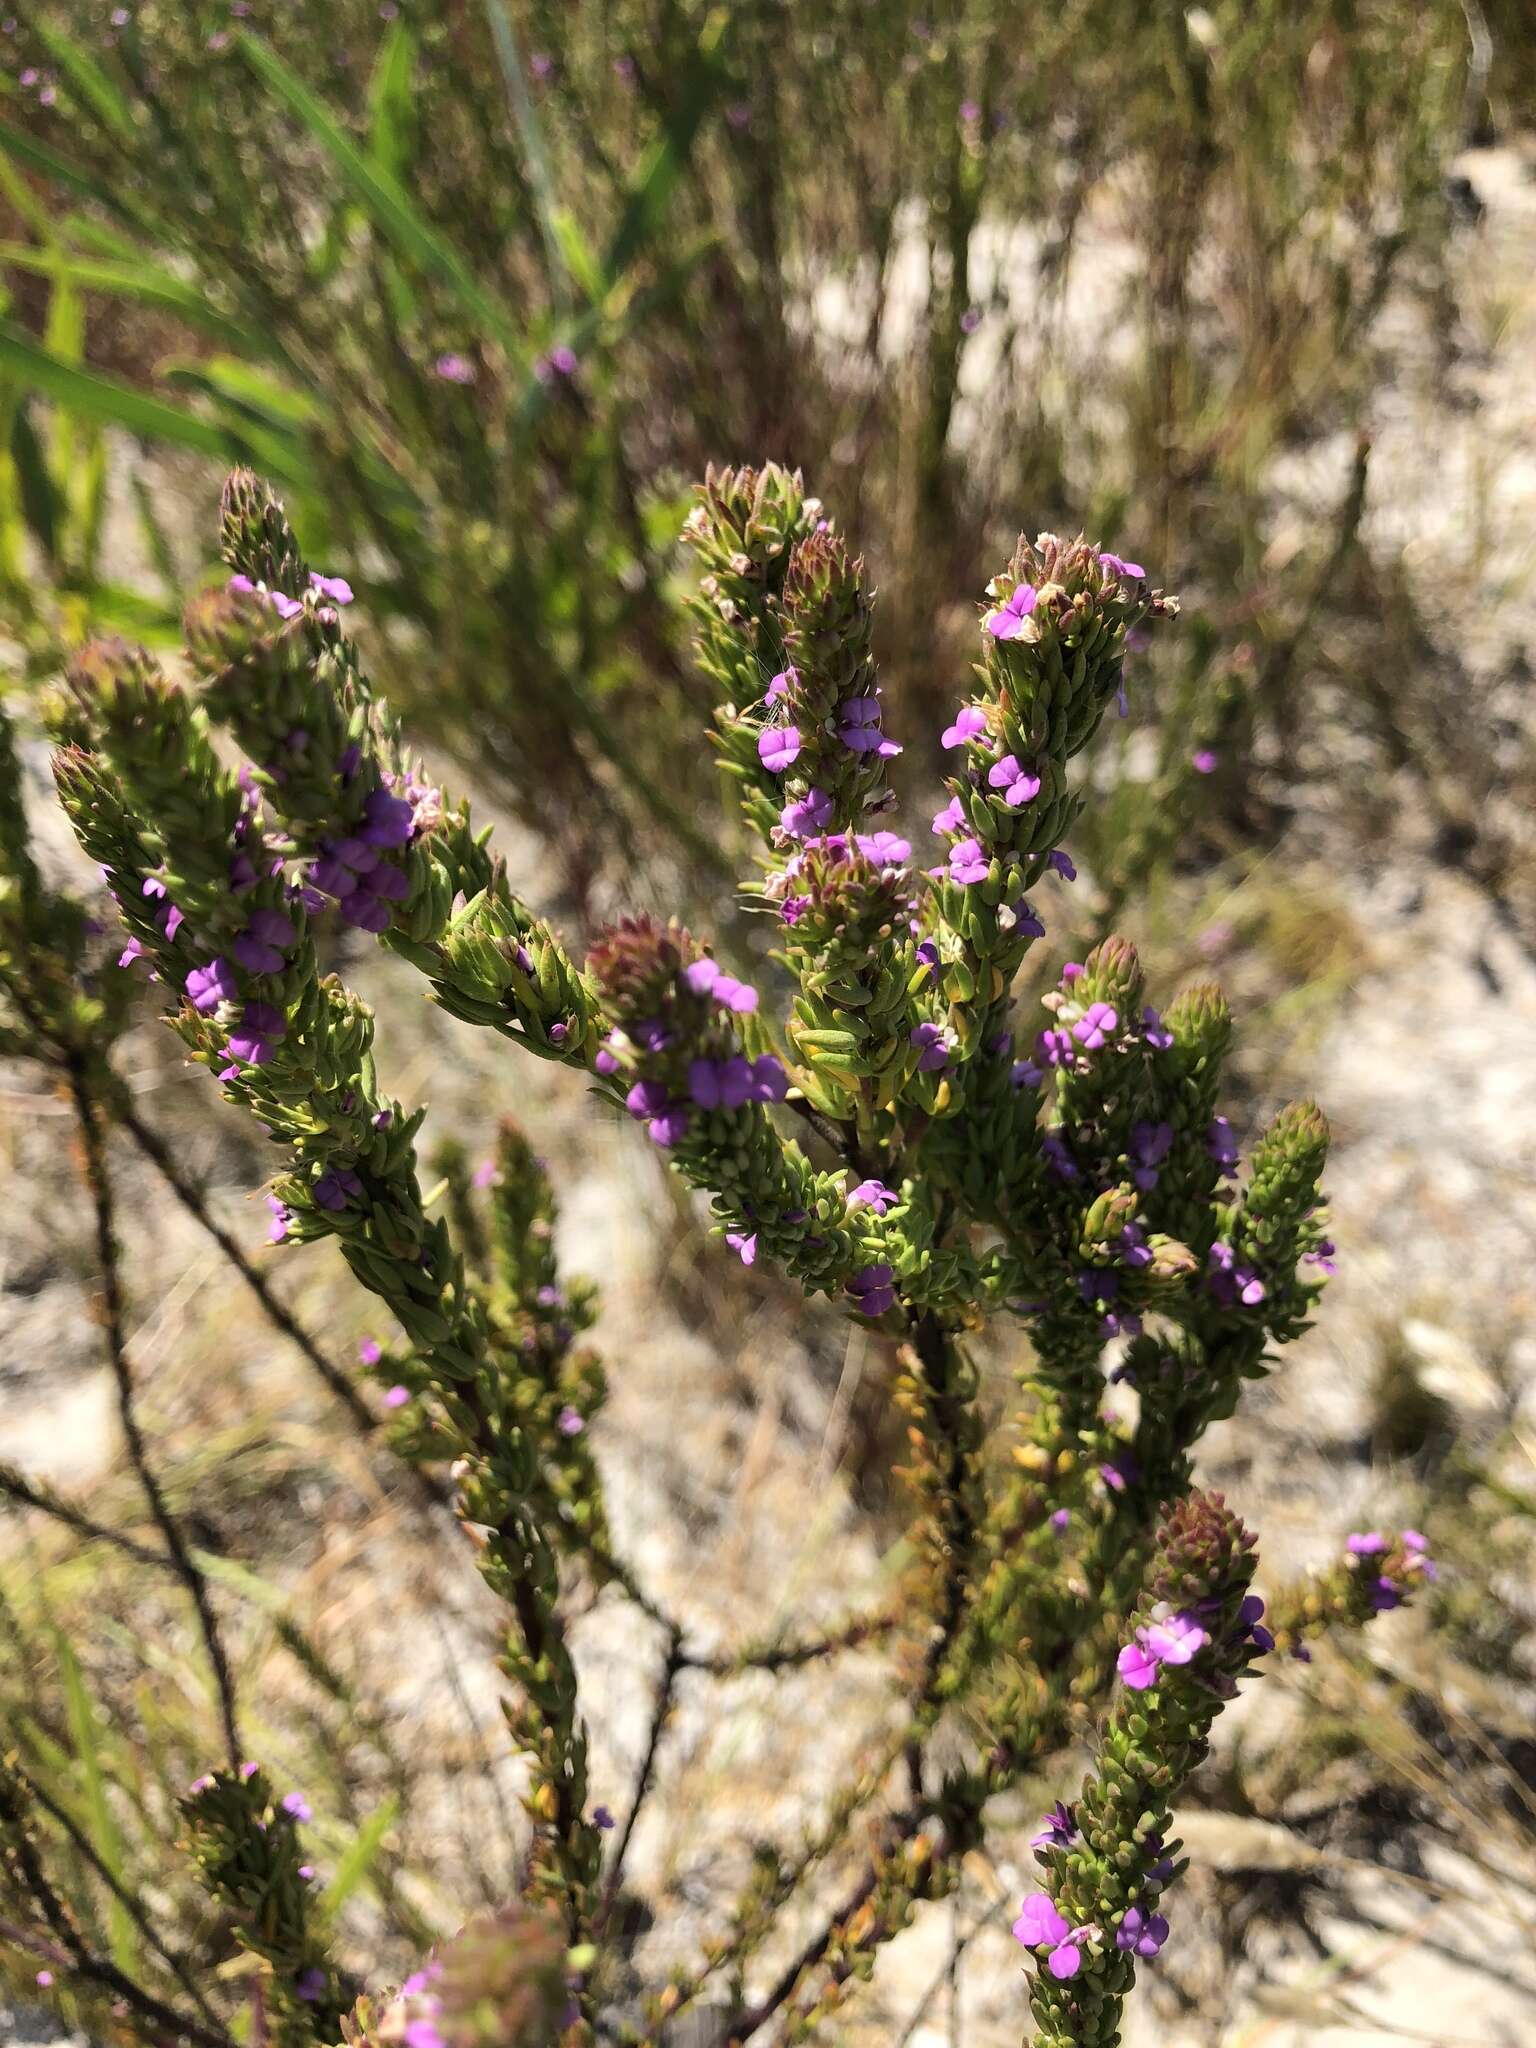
{"x":951,"y":819}
{"x":1250,"y":1623}
{"x":277,"y":1229}
{"x":1092,"y":1029}
{"x":780,"y":686}
{"x":396,"y":1397}
{"x":1148,"y":1149}
{"x":286,"y":607}
{"x":1118,"y":566}
{"x":569,"y":1421}
{"x":333,"y":1190}
{"x":296,"y":1804}
{"x":885,"y":849}
{"x":261,"y":1026}
{"x":336,"y":588}
{"x":1025,"y":1074}
{"x":386,"y":820}
{"x":871,"y":1288}
{"x":1231,"y":1283}
{"x":1144,"y":1933}
{"x":1053,"y":1048}
{"x":1203,"y":761}
{"x":1221,"y":1144}
{"x":1058,"y":1830}
{"x":970,"y":723}
{"x":209,"y":986}
{"x":970,"y":320}
{"x":646,"y":1099}
{"x":1137,"y":1669}
{"x":1323,"y":1257}
{"x":1156,"y":1033}
{"x":872,"y":1194}
{"x":860,"y":728}
{"x":1039,"y":1922}
{"x":808,"y":814}
{"x":778,"y":747}
{"x":310,"y":1985}
{"x":454,"y":368}
{"x":933,"y":1052}
{"x":602,"y":1818}
{"x":1174,"y":1641}
{"x":734,"y":995}
{"x":1007,"y":622}
{"x":1016,"y":783}
{"x":1053,"y":1150}
{"x":968,"y":862}
{"x":770,"y":1083}
{"x":670,"y":1127}
{"x":1366,"y":1543}
{"x":1061,"y":861}
{"x":744,"y":1244}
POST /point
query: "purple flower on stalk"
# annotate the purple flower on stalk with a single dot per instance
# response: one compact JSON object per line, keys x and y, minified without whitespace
{"x":1061,"y":861}
{"x":744,"y":1244}
{"x":1092,"y":1029}
{"x":778,"y":747}
{"x":570,"y":1422}
{"x":770,"y":1083}
{"x":336,"y":588}
{"x":885,"y":849}
{"x":1039,"y":1922}
{"x":1118,"y":566}
{"x":1053,"y":1150}
{"x":872,"y":1194}
{"x":968,"y":862}
{"x":1204,"y":762}
{"x":1231,"y":1283}
{"x":1323,"y":1257}
{"x":333,"y":1190}
{"x":872,"y":1289}
{"x":933,"y":1052}
{"x":1174,"y":1641}
{"x":860,"y":728}
{"x":970,"y":723}
{"x":298,"y":1806}
{"x":454,"y":368}
{"x":1366,"y":1543}
{"x":209,"y":986}
{"x":277,"y":1229}
{"x":1018,"y":785}
{"x":1156,"y":1033}
{"x":1250,"y":1624}
{"x":670,"y":1127}
{"x":781,"y":685}
{"x":1142,"y":1933}
{"x":1221,"y":1145}
{"x":1148,"y":1149}
{"x":1058,"y":1830}
{"x":1007,"y":621}
{"x":261,"y":1026}
{"x":1025,"y":1074}
{"x":396,"y":1397}
{"x":387,"y":820}
{"x":807,"y":814}
{"x":951,"y":819}
{"x":602,"y":1818}
{"x":310,"y":1985}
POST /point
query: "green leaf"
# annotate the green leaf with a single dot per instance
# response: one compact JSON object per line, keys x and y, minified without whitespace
{"x":94,"y":397}
{"x":361,"y":1854}
{"x":392,"y":105}
{"x":531,"y":134}
{"x":667,"y":158}
{"x":137,"y":278}
{"x":90,"y":82}
{"x":40,"y":505}
{"x":381,"y":197}
{"x":105,"y":1838}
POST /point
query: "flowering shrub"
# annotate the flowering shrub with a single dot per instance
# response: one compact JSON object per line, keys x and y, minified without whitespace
{"x":891,"y":1136}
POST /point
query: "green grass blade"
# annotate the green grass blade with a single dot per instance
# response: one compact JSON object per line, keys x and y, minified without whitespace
{"x":90,"y":82}
{"x":139,"y":279}
{"x":362,"y":1853}
{"x":667,"y":159}
{"x":391,"y":104}
{"x":103,"y":399}
{"x":531,"y":135}
{"x":38,"y":496}
{"x":123,"y":1936}
{"x":390,"y":209}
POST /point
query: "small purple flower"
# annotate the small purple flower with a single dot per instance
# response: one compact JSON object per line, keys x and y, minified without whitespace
{"x":860,"y":728}
{"x":780,"y":686}
{"x":454,"y":368}
{"x":1174,"y":1641}
{"x":1136,"y":1667}
{"x":670,"y":1127}
{"x":298,"y":1806}
{"x":1025,"y":1074}
{"x":335,"y":1189}
{"x":951,"y":819}
{"x":968,"y":862}
{"x":1323,"y":1257}
{"x":1143,"y":1933}
{"x":1062,"y":1519}
{"x":770,"y":1083}
{"x":646,"y":1099}
{"x":1118,"y":566}
{"x":310,"y":1985}
{"x":1221,"y":1145}
{"x":933,"y":1052}
{"x":1053,"y":1048}
{"x":209,"y":986}
{"x":1053,"y":1150}
{"x":1148,"y":1149}
{"x":1039,"y":1922}
{"x":1092,"y":1029}
{"x":970,"y":723}
{"x":396,"y":1397}
{"x":807,"y":815}
{"x":1016,"y":783}
{"x":1366,"y":1543}
{"x":885,"y":849}
{"x":872,"y":1194}
{"x":261,"y":1026}
{"x":734,"y":995}
{"x":336,"y":588}
{"x":1061,"y":861}
{"x":1058,"y":1830}
{"x":778,"y":747}
{"x":872,"y":1289}
{"x":602,"y":1818}
{"x":1250,"y":1623}
{"x":744,"y":1244}
{"x":387,"y":820}
{"x":1007,"y":621}
{"x":277,"y":1229}
{"x":1156,"y":1033}
{"x":970,"y":320}
{"x":570,"y":1422}
{"x":1203,"y":761}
